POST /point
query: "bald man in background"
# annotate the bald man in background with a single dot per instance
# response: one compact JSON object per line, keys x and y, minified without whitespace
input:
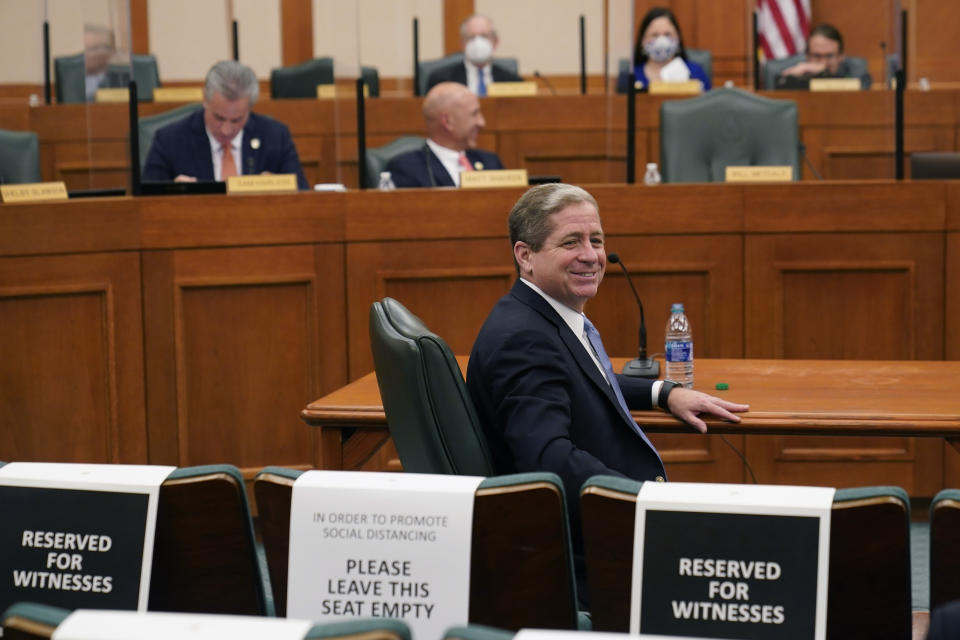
{"x":453,"y":118}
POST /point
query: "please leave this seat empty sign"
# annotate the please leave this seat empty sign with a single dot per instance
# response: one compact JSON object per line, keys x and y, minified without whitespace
{"x":731,"y":561}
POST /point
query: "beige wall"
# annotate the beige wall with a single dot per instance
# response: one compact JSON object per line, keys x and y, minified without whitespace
{"x":187,"y":36}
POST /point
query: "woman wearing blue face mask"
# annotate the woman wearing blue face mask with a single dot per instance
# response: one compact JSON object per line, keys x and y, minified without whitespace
{"x":659,"y":54}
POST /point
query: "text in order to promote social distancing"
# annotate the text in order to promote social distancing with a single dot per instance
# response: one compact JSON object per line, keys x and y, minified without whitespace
{"x":78,"y":535}
{"x":381,"y":545}
{"x":731,"y":561}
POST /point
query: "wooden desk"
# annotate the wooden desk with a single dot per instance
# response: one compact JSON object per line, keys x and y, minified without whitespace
{"x":787,"y":397}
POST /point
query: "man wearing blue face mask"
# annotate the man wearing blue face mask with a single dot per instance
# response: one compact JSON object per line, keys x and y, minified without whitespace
{"x":659,"y":54}
{"x":477,"y":71}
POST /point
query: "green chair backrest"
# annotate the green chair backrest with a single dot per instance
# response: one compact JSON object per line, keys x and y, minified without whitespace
{"x":426,"y":67}
{"x":70,"y":80}
{"x":19,"y":157}
{"x":702,"y":136}
{"x":372,"y":629}
{"x":147,"y":126}
{"x":869,"y":592}
{"x":301,"y":80}
{"x":944,"y":551}
{"x":31,"y":621}
{"x":429,"y":411}
{"x":477,"y":632}
{"x":773,"y":68}
{"x":521,"y":572}
{"x":371,"y":77}
{"x":379,"y":157}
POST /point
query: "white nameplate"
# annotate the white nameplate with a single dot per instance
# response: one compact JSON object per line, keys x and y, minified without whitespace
{"x":685,"y":87}
{"x":731,"y":561}
{"x":769,"y":173}
{"x":835,"y":84}
{"x":511,"y":89}
{"x":84,"y":533}
{"x":178,"y":94}
{"x":123,"y":625}
{"x":493,"y":178}
{"x":381,"y":545}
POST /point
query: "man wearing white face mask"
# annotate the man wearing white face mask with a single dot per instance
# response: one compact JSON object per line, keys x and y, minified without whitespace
{"x":479,"y":40}
{"x":659,"y":54}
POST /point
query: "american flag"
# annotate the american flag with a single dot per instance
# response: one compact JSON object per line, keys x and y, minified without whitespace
{"x":782,"y":27}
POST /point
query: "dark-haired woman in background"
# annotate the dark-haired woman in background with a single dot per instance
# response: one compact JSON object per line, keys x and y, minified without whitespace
{"x":659,"y":46}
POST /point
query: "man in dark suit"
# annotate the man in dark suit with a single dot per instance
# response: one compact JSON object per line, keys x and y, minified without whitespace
{"x":479,"y":40}
{"x":538,"y":374}
{"x":224,"y":138}
{"x":454,"y":120}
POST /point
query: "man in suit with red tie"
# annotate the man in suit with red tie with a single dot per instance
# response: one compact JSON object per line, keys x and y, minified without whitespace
{"x":453,"y":117}
{"x":539,"y":376}
{"x":224,"y":138}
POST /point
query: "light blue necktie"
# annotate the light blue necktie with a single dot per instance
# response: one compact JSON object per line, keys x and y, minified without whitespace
{"x":593,"y":336}
{"x":481,"y":83}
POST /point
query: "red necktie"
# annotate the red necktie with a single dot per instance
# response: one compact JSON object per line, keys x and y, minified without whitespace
{"x":465,"y":163}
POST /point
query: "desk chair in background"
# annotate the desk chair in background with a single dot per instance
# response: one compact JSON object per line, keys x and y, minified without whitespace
{"x":379,"y":157}
{"x":431,"y":417}
{"x":477,"y":632}
{"x":869,"y":592}
{"x":944,"y":547}
{"x":148,"y":126}
{"x":301,"y":80}
{"x":855,"y":66}
{"x":426,"y":67}
{"x":19,"y":157}
{"x":935,"y":165}
{"x":521,"y":564}
{"x":702,"y":136}
{"x":70,"y":77}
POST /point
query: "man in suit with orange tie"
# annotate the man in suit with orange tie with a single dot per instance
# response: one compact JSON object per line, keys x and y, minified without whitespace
{"x":224,"y":138}
{"x":453,"y":117}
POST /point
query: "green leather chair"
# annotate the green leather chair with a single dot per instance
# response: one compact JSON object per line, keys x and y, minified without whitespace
{"x":430,"y":414}
{"x":19,"y":157}
{"x":426,"y":67}
{"x":703,"y":57}
{"x":70,"y":82}
{"x":379,"y":157}
{"x":301,"y":80}
{"x":477,"y":632}
{"x":147,"y":127}
{"x":944,"y":550}
{"x":521,"y":572}
{"x":367,"y":629}
{"x":869,"y":590}
{"x":856,"y":67}
{"x":702,"y":136}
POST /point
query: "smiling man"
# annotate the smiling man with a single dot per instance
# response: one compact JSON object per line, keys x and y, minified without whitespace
{"x":539,"y":376}
{"x":225,"y":138}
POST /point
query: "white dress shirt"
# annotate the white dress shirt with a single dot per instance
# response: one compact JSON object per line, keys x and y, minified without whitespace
{"x":473,"y":70}
{"x":449,"y":158}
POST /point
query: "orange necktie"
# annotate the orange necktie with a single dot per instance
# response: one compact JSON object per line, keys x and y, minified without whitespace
{"x":227,"y":167}
{"x":465,"y":163}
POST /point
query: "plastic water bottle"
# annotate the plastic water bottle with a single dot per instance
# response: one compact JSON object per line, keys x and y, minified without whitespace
{"x":386,"y":182}
{"x":652,"y":176}
{"x":679,"y":347}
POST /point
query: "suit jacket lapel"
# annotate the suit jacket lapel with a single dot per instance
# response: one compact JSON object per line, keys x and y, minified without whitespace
{"x":200,"y":143}
{"x":440,"y":174}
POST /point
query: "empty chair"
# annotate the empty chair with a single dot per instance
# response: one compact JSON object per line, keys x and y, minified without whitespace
{"x":148,"y":126}
{"x":19,"y":157}
{"x":426,"y":67}
{"x":869,"y":585}
{"x":521,"y":569}
{"x":429,"y":412}
{"x":935,"y":165}
{"x":944,"y":549}
{"x":702,"y":136}
{"x":70,"y":77}
{"x":301,"y":80}
{"x":379,"y":157}
{"x":477,"y":632}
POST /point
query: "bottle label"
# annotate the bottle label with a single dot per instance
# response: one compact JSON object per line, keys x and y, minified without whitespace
{"x":678,"y":351}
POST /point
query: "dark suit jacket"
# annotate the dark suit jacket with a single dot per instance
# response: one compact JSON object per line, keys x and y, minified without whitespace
{"x":544,"y":405}
{"x":414,"y":168}
{"x":183,"y":148}
{"x":456,"y":72}
{"x":945,"y":621}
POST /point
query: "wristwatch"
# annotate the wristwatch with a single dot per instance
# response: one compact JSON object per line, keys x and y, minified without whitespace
{"x":665,"y":389}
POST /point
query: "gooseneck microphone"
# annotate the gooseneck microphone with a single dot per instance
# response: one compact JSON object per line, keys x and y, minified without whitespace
{"x":541,"y":77}
{"x":642,"y":367}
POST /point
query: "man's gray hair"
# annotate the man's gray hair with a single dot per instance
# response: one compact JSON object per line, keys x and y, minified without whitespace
{"x":529,"y":220}
{"x":463,"y":25}
{"x":233,"y":81}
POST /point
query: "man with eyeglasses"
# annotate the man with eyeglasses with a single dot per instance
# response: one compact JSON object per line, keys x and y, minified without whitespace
{"x":825,"y":57}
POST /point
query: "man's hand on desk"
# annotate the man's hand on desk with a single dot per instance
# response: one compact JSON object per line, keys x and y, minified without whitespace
{"x":183,"y":178}
{"x":687,"y":405}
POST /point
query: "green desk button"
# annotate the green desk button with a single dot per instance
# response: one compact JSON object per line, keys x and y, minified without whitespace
{"x":722,"y":386}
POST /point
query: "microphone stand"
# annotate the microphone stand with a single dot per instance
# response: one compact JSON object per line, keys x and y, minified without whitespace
{"x":641,"y":367}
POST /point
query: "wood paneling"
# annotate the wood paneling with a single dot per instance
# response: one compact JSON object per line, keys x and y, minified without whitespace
{"x":296,"y":31}
{"x":72,"y":365}
{"x":454,"y":12}
{"x":934,"y":33}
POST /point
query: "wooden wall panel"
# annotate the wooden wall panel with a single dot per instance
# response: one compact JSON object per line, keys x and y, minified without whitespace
{"x":240,"y":338}
{"x":72,"y":364}
{"x":934,"y":33}
{"x":454,"y":12}
{"x":296,"y":31}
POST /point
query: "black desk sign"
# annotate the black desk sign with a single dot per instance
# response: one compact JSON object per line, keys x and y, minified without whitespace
{"x":76,"y":535}
{"x":731,"y":561}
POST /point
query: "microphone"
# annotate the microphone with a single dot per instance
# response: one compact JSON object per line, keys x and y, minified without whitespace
{"x":553,"y":91}
{"x":642,"y":367}
{"x":803,"y":152}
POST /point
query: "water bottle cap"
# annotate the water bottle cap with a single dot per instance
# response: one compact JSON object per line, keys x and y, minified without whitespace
{"x":384,"y":175}
{"x":676,"y":306}
{"x":651,"y":165}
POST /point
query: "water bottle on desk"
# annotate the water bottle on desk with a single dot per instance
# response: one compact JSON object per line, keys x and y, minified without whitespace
{"x":652,"y":176}
{"x":679,"y":347}
{"x":386,"y":181}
